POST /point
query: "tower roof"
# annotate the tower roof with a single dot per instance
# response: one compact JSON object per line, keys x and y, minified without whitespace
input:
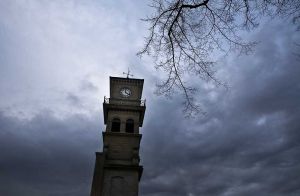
{"x":120,"y":80}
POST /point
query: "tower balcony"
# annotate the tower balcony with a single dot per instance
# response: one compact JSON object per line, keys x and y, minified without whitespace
{"x":114,"y":104}
{"x":127,"y":102}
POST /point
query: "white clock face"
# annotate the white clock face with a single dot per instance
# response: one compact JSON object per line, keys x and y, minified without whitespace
{"x":125,"y":92}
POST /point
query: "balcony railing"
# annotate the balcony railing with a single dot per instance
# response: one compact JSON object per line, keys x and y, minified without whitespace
{"x":125,"y":101}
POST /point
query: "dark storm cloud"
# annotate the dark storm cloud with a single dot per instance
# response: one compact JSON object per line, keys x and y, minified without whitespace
{"x":47,"y":155}
{"x":248,"y":144}
{"x":74,"y":99}
{"x":87,"y":85}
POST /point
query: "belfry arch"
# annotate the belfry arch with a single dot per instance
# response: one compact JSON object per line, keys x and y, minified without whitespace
{"x":116,"y":125}
{"x":129,"y":127}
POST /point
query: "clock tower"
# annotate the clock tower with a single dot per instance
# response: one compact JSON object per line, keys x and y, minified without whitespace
{"x":117,"y":169}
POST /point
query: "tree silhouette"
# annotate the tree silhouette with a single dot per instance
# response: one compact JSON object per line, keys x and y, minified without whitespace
{"x":185,"y":34}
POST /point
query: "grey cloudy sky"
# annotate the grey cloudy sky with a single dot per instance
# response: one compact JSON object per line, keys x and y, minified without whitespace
{"x":55,"y":61}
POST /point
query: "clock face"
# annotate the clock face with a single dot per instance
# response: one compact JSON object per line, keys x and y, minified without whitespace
{"x":125,"y":92}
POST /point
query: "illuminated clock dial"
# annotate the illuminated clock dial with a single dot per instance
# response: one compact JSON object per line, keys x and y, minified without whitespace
{"x":125,"y":92}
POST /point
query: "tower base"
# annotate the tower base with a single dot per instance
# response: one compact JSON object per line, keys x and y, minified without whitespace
{"x":115,"y":179}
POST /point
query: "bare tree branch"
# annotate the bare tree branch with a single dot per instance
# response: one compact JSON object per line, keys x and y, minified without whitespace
{"x":185,"y":34}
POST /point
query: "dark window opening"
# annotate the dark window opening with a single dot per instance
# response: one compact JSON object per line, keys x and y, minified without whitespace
{"x":115,"y":126}
{"x":129,"y":126}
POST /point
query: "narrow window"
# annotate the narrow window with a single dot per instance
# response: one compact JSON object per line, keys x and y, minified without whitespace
{"x":115,"y":126}
{"x":129,"y":126}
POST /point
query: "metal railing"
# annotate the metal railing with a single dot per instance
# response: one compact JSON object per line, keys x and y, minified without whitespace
{"x":141,"y":102}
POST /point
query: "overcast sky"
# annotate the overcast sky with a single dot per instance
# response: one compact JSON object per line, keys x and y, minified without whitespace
{"x":55,"y":61}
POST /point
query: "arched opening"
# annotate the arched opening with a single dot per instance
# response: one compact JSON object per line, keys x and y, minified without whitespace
{"x":129,"y":126}
{"x":115,"y":125}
